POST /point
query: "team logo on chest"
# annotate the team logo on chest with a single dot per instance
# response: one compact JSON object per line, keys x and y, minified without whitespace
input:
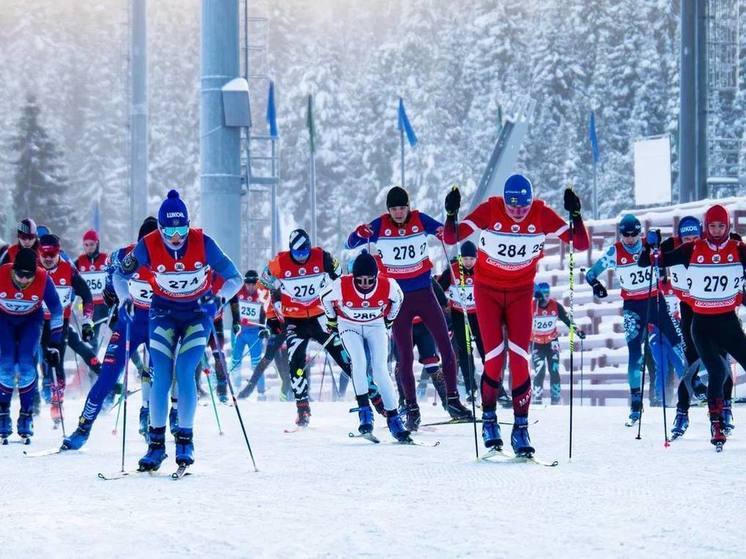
{"x":161,"y":268}
{"x":716,"y":258}
{"x":366,"y":304}
{"x":700,"y":259}
{"x":287,"y":274}
{"x":730,"y":258}
{"x":624,"y":260}
{"x":302,"y":271}
{"x":348,"y":304}
{"x":82,"y":268}
{"x":515,"y":228}
{"x":18,"y":295}
{"x":63,"y":281}
{"x":497,"y":226}
{"x":402,"y":232}
{"x":179,"y":266}
{"x":315,"y":269}
{"x":387,"y":232}
{"x":34,"y":297}
{"x":532,"y":228}
{"x":415,"y":229}
{"x":198,"y":265}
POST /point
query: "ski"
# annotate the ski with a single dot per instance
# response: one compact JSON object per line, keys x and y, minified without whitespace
{"x":719,"y":447}
{"x":180,"y":472}
{"x":47,"y":452}
{"x":631,"y":422}
{"x":111,"y":477}
{"x":412,"y":442}
{"x":367,"y":436}
{"x":506,"y":457}
{"x":295,"y":429}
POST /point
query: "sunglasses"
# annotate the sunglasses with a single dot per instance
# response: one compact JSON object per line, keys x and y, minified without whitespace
{"x":628,"y":235}
{"x":365,"y":281}
{"x":173,"y":231}
{"x":25,"y":274}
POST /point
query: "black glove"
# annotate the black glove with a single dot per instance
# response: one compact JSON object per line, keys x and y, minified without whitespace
{"x":453,"y":201}
{"x":52,"y":355}
{"x":236,"y":327}
{"x":388,"y":323}
{"x":86,"y":332}
{"x":572,"y":203}
{"x":599,"y":290}
{"x":331,"y":326}
{"x":110,"y":297}
{"x":264,"y":333}
{"x":275,"y":326}
{"x":580,"y":333}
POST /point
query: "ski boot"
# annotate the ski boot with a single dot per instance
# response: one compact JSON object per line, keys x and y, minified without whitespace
{"x":680,"y":424}
{"x":36,"y":406}
{"x":556,"y":390}
{"x":365,"y":415}
{"x":519,"y":438}
{"x":222,"y":391}
{"x":79,"y":437}
{"x":699,"y":389}
{"x":439,"y":382}
{"x":184,"y":447}
{"x":25,"y":425}
{"x":156,"y":450}
{"x":413,"y":417}
{"x":396,"y":427}
{"x":536,"y":398}
{"x":6,"y":425}
{"x":457,"y":410}
{"x":304,"y":413}
{"x":491,"y":431}
{"x":173,"y":420}
{"x":144,"y":422}
{"x":728,"y":424}
{"x":261,"y":397}
{"x":717,"y":431}
{"x":635,"y":408}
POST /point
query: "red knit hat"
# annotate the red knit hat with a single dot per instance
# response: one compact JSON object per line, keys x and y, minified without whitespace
{"x":90,"y":235}
{"x":717,"y":213}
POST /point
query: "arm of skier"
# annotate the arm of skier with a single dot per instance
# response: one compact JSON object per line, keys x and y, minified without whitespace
{"x":564,"y":317}
{"x":332,"y":266}
{"x":218,"y":261}
{"x":396,"y":296}
{"x":331,"y":295}
{"x":475,"y":221}
{"x":680,"y":255}
{"x":555,"y":226}
{"x":52,"y":301}
{"x":81,"y":289}
{"x":364,"y":233}
{"x":444,"y":280}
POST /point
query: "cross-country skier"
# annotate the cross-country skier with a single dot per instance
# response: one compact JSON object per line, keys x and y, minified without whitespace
{"x":545,"y":351}
{"x":23,"y":289}
{"x":133,"y":321}
{"x":91,"y":265}
{"x":295,"y":279}
{"x":512,"y":230}
{"x":400,"y":236}
{"x":249,"y":326}
{"x":715,"y":277}
{"x":27,"y":238}
{"x":644,"y":312}
{"x":361,"y":307}
{"x":68,"y":284}
{"x":182,"y":309}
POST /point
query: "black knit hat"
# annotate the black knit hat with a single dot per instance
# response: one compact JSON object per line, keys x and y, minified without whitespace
{"x":469,"y":249}
{"x":364,"y":265}
{"x":397,"y":196}
{"x":149,"y":225}
{"x":251,"y":276}
{"x":25,"y":261}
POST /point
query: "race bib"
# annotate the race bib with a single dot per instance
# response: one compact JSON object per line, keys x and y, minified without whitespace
{"x":65,"y":293}
{"x":462,"y":296}
{"x":16,"y":306}
{"x":141,"y":292}
{"x":182,"y":284}
{"x":679,"y":277}
{"x":513,"y":251}
{"x":249,"y":311}
{"x":634,"y":279}
{"x":402,"y":251}
{"x":714,"y":283}
{"x":304,"y":289}
{"x":96,"y":281}
{"x":544,"y":324}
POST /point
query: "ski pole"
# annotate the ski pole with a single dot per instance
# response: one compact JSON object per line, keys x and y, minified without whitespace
{"x":571,"y":263}
{"x":212,"y":397}
{"x":127,"y":342}
{"x":581,"y":372}
{"x":235,"y":402}
{"x":467,"y":333}
{"x":663,"y":373}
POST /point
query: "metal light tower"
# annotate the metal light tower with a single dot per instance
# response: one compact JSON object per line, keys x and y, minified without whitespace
{"x":138,"y":115}
{"x":220,"y":143}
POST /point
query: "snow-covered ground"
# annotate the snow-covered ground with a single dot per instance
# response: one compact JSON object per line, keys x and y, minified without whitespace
{"x":320,"y":494}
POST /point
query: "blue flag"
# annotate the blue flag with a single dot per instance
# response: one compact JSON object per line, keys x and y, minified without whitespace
{"x":593,"y":138}
{"x":272,"y":111}
{"x":405,"y":125}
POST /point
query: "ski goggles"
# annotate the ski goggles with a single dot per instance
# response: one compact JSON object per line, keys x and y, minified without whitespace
{"x":301,"y":253}
{"x":630,"y":234}
{"x":25,"y":274}
{"x":170,"y":232}
{"x":48,"y":251}
{"x":365,"y":282}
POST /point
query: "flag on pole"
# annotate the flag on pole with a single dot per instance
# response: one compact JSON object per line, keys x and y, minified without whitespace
{"x":272,"y":111}
{"x":405,"y":125}
{"x":310,"y":124}
{"x":593,"y":138}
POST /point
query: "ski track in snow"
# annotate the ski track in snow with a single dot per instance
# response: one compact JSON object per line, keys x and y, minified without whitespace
{"x":321,"y":494}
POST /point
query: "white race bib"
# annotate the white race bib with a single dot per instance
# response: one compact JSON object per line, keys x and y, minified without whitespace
{"x":141,"y":292}
{"x":402,"y":252}
{"x":678,"y":275}
{"x":249,"y":311}
{"x":634,"y":279}
{"x":96,"y":281}
{"x":462,"y":296}
{"x":182,"y":284}
{"x":514,"y":250}
{"x":545,"y":324}
{"x":16,"y":306}
{"x":304,"y":289}
{"x":716,"y":282}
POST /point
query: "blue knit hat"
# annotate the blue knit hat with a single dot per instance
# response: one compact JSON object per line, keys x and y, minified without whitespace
{"x":629,"y":226}
{"x":518,"y":191}
{"x":689,"y":226}
{"x":173,"y":211}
